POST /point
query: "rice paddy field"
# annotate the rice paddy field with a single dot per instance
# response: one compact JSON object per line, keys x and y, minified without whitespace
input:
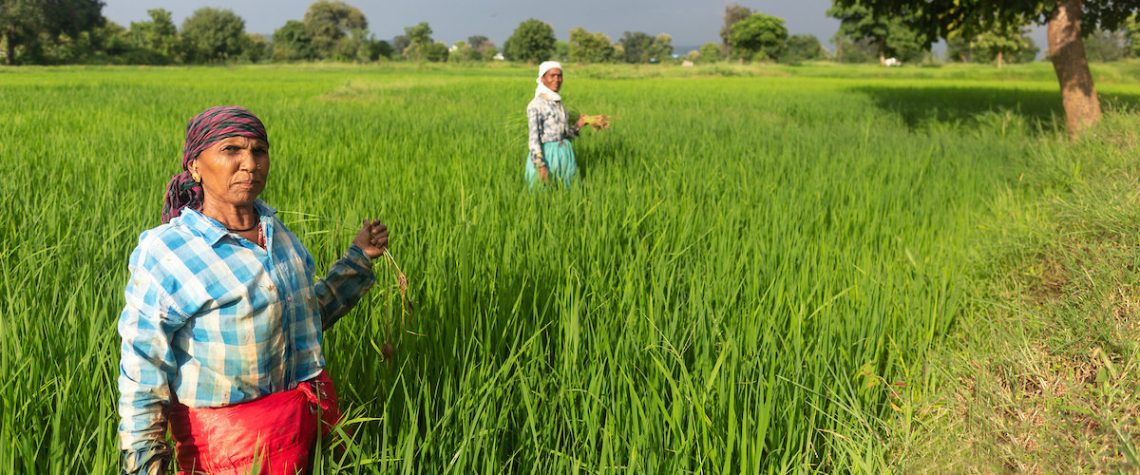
{"x":754,"y":266}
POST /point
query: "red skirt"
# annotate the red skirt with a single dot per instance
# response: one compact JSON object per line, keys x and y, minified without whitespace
{"x":271,"y":435}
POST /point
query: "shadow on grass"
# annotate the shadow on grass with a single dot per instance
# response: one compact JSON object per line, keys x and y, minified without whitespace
{"x":921,"y":107}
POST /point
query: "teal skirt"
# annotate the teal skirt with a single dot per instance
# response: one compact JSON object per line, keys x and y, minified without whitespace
{"x":559,"y":158}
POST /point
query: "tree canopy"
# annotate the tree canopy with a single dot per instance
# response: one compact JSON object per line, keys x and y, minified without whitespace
{"x":758,"y":37}
{"x":942,"y":18}
{"x":890,"y":35}
{"x":292,"y":43}
{"x":24,"y":23}
{"x":212,"y":34}
{"x":157,"y":38}
{"x":421,"y":46}
{"x":587,"y":47}
{"x":802,"y":48}
{"x":1001,"y":45}
{"x":335,"y":29}
{"x":733,"y":13}
{"x":533,"y":41}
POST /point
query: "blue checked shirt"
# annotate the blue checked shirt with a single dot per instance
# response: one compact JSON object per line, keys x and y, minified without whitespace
{"x":212,"y":319}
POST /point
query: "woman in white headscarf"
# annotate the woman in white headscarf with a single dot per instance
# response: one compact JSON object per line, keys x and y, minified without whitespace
{"x":551,"y":155}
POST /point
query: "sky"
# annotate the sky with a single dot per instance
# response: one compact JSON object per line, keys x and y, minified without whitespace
{"x":690,"y":22}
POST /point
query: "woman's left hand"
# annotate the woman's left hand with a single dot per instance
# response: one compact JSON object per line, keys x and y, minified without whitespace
{"x":581,"y":121}
{"x":372,"y":238}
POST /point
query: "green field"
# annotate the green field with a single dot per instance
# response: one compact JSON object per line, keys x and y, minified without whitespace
{"x":754,"y":269}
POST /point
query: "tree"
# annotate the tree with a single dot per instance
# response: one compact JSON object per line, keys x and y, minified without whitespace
{"x":1106,"y":46}
{"x":849,"y":50}
{"x":586,"y":47}
{"x":292,"y":43}
{"x":958,"y":49}
{"x":383,"y":49}
{"x":639,"y":47}
{"x":329,"y":22}
{"x":758,"y":37}
{"x":802,"y":48}
{"x":399,"y":44}
{"x":890,"y":35}
{"x":418,"y":33}
{"x":1132,"y":27}
{"x":661,"y":48}
{"x":212,"y":34}
{"x":109,"y":43}
{"x":733,"y":13}
{"x":1001,"y":43}
{"x":435,"y":52}
{"x":421,"y":46}
{"x":533,"y":41}
{"x":157,"y":38}
{"x":460,"y":51}
{"x":482,"y":48}
{"x":256,"y":48}
{"x":636,"y":47}
{"x":562,"y":51}
{"x":1027,"y":54}
{"x":358,"y":45}
{"x":23,"y":23}
{"x":709,"y":53}
{"x":1066,"y":19}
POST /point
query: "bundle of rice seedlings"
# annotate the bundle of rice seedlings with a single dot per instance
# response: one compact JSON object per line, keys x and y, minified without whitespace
{"x":598,"y":122}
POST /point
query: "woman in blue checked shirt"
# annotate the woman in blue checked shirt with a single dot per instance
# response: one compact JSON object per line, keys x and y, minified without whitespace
{"x":550,"y":131}
{"x":221,"y":332}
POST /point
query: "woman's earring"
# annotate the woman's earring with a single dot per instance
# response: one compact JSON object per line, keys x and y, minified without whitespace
{"x":197,"y":178}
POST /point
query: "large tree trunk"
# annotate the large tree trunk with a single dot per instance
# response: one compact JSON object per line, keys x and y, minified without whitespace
{"x":1067,"y":51}
{"x":1001,"y":60}
{"x":882,"y":52}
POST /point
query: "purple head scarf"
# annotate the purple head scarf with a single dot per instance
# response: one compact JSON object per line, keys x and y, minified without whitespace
{"x":212,"y":125}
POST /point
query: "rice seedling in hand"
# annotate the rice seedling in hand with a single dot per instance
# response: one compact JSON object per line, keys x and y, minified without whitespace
{"x":598,"y":122}
{"x":406,"y":303}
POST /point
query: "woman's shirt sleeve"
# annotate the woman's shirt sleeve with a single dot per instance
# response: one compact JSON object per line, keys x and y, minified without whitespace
{"x":534,"y":119}
{"x":347,"y":281}
{"x":146,"y":364}
{"x":571,"y":129}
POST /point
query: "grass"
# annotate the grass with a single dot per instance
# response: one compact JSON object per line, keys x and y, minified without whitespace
{"x":754,"y":274}
{"x":1044,"y":371}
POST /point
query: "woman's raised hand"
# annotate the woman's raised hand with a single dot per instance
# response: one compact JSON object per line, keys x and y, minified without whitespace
{"x":372,"y":238}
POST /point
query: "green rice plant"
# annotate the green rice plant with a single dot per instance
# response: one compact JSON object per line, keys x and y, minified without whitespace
{"x":746,"y":273}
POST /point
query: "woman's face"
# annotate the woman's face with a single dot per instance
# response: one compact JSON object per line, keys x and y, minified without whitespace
{"x":233,"y":170}
{"x":553,"y":79}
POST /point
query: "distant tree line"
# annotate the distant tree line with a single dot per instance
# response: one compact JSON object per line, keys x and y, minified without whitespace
{"x":75,"y":31}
